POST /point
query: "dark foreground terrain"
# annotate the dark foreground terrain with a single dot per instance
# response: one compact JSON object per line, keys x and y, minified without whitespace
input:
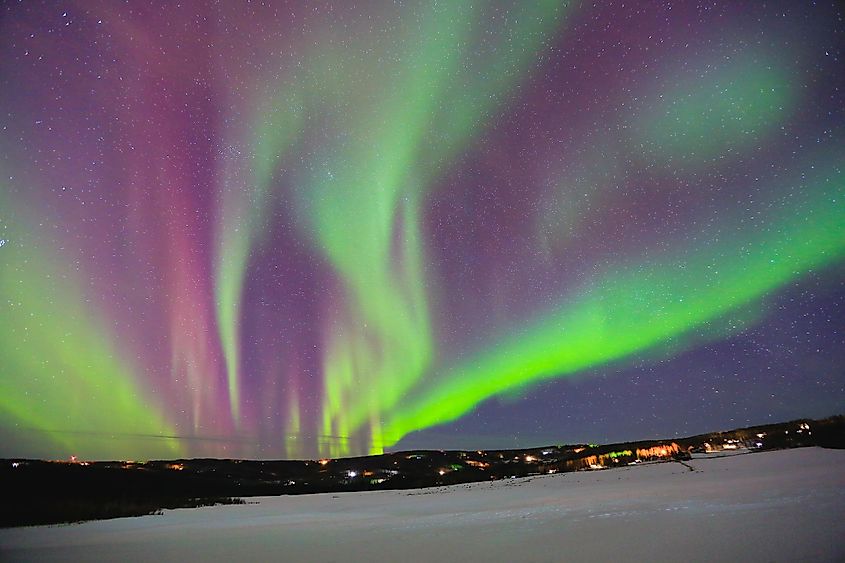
{"x":45,"y":492}
{"x":784,"y":505}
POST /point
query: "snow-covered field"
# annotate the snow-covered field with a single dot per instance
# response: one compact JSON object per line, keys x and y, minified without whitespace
{"x":776,"y":506}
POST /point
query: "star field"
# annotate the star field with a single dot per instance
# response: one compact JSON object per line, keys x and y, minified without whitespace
{"x":281,"y":229}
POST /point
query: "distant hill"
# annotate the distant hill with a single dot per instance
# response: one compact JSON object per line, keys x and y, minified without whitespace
{"x":45,"y":492}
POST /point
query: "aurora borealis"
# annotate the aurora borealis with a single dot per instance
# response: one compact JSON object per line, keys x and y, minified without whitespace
{"x":277,"y":229}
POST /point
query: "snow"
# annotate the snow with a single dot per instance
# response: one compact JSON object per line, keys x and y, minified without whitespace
{"x":774,"y":506}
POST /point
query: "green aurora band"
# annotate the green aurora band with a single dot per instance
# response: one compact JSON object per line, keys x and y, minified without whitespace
{"x":725,"y":107}
{"x":59,"y":368}
{"x":246,"y":198}
{"x":645,"y":306}
{"x":363,"y":210}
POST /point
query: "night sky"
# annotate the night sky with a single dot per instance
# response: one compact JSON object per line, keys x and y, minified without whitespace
{"x":287,"y":230}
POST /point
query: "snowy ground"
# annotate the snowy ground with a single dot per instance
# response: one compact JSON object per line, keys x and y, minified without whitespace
{"x":776,"y":506}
